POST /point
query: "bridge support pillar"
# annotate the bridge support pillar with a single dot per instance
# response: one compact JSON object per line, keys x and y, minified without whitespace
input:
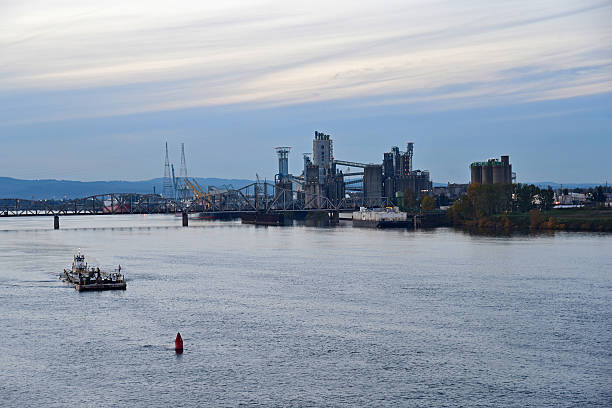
{"x":185,"y":219}
{"x":334,"y":217}
{"x":56,"y":222}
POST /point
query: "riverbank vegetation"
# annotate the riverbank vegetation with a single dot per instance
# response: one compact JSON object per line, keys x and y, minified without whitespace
{"x":507,"y":207}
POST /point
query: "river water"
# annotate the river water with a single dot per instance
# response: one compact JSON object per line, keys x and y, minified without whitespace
{"x":303,"y":316}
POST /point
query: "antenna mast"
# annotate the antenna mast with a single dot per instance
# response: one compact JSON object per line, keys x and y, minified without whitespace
{"x":182,"y":190}
{"x":183,"y":171}
{"x":167,"y":190}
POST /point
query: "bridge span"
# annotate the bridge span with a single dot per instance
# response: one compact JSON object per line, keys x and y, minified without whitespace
{"x":258,"y":197}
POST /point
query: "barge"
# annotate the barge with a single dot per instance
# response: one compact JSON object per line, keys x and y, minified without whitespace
{"x":263,"y":218}
{"x":382,"y":218}
{"x":219,"y":215}
{"x":84,"y":278}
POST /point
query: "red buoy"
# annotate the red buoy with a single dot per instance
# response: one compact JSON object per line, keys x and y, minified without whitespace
{"x":178,"y":343}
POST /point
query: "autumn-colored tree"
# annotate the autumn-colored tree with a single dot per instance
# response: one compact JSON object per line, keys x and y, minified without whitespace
{"x":461,"y":210}
{"x":536,"y":219}
{"x":427,"y":203}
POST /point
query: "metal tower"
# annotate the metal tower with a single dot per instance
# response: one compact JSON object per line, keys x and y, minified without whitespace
{"x":183,"y":171}
{"x":167,"y":190}
{"x":283,"y":162}
{"x":410,"y":152}
{"x":174,"y":180}
{"x":181,"y":186}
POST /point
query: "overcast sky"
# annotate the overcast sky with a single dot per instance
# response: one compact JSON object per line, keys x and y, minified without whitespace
{"x":91,"y":90}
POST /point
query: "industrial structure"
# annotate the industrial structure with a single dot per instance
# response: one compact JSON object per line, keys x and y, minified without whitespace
{"x":322,"y":178}
{"x":180,"y":183}
{"x":168,"y":190}
{"x":451,"y":191}
{"x":173,"y":187}
{"x":399,"y":175}
{"x":322,"y":188}
{"x":283,"y":179}
{"x":492,"y":171}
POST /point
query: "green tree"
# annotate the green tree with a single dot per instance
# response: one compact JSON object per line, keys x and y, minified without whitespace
{"x":524,"y":197}
{"x":598,"y":195}
{"x":408,"y":201}
{"x":441,"y":200}
{"x":428,"y":203}
{"x":489,"y":199}
{"x":461,"y":210}
{"x":547,"y":198}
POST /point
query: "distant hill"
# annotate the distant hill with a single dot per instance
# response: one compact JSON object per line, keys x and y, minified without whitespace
{"x":58,"y":189}
{"x":545,"y":184}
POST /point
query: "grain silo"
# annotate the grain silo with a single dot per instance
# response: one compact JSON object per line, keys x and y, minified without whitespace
{"x":492,"y":171}
{"x":476,"y":170}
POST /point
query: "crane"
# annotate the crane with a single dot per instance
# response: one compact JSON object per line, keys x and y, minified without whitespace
{"x":198,"y":192}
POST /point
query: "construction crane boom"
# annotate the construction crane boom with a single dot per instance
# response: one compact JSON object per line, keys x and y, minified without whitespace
{"x":198,"y":192}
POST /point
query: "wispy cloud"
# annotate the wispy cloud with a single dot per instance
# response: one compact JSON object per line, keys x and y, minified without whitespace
{"x":128,"y":57}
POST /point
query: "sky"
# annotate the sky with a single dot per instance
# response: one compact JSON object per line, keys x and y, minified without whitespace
{"x":91,"y":90}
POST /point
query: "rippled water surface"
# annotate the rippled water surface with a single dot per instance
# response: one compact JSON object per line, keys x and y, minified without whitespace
{"x":303,"y":316}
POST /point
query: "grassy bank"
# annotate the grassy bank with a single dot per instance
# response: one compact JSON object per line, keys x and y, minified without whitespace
{"x":562,"y":219}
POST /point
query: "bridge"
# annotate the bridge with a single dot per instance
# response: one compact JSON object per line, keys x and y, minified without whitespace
{"x":257,"y":197}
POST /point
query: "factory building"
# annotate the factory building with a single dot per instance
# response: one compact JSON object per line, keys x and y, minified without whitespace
{"x":417,"y":181}
{"x":492,"y":171}
{"x":451,"y":190}
{"x":283,"y":179}
{"x":402,"y":160}
{"x":323,"y":152}
{"x":372,"y":182}
{"x":398,"y":175}
{"x":322,"y":180}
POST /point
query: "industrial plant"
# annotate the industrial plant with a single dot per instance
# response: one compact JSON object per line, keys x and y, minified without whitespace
{"x":492,"y":171}
{"x":325,"y":177}
{"x":326,"y":184}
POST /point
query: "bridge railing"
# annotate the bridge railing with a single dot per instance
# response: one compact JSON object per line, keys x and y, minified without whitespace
{"x":112,"y":203}
{"x":259,"y":196}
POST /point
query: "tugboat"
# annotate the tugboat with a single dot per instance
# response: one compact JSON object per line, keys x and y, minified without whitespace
{"x":85,"y":278}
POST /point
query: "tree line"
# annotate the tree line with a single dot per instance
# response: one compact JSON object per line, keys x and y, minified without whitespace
{"x":484,"y":200}
{"x":410,"y":202}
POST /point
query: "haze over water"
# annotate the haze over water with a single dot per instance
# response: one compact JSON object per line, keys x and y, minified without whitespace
{"x":303,"y":316}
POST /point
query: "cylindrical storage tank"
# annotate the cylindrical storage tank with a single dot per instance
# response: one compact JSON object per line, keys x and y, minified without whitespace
{"x":388,"y":168}
{"x":372,"y":181}
{"x":499,"y":175}
{"x":389,"y":187}
{"x":283,"y":166}
{"x":476,"y":173}
{"x":487,"y":174}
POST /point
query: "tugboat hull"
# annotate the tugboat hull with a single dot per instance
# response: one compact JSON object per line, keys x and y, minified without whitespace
{"x":101,"y":286}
